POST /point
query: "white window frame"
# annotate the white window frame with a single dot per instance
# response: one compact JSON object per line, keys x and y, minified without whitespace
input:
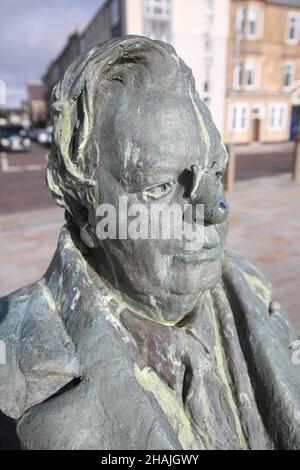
{"x":292,"y":65}
{"x":250,"y":65}
{"x":208,"y":50}
{"x":209,"y":10}
{"x":237,"y":71}
{"x":288,"y":40}
{"x":206,"y":94}
{"x":280,"y":109}
{"x":154,"y":20}
{"x":258,"y":111}
{"x":149,"y":9}
{"x":239,"y":107}
{"x":250,"y":10}
{"x":240,"y":19}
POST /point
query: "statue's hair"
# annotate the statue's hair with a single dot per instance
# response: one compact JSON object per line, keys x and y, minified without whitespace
{"x":75,"y":154}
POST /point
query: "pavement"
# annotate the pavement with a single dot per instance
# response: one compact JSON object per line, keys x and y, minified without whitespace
{"x":264,"y":227}
{"x":27,"y":243}
{"x":22,"y":181}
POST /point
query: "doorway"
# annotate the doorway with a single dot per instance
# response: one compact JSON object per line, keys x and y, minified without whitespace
{"x":256,"y":130}
{"x":295,"y":122}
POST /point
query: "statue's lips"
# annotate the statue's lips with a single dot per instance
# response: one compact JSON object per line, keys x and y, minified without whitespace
{"x":210,"y":251}
{"x":207,"y":253}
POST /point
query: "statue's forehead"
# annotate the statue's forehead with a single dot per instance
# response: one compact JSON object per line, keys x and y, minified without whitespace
{"x":162,"y":131}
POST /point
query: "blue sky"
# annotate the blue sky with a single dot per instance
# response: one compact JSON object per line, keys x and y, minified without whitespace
{"x":32,"y":33}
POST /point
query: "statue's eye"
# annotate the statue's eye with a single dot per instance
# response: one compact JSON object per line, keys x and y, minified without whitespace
{"x":219,"y":174}
{"x":155,"y":192}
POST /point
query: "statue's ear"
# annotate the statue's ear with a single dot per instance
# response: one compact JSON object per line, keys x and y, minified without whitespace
{"x":80,"y":218}
{"x":86,"y":235}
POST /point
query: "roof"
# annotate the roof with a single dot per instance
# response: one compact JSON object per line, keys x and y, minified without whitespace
{"x":287,"y":3}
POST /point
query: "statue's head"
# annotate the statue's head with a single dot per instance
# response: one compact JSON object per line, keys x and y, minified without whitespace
{"x":128,"y":122}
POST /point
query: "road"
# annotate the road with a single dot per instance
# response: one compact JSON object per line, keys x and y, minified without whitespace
{"x":23,"y":186}
{"x":263,"y":164}
{"x":22,"y":181}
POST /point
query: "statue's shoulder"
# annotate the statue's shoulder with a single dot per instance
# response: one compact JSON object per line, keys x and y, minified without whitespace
{"x":32,"y":367}
{"x":245,"y":282}
{"x":238,"y":271}
{"x":267,"y":339}
{"x":248,"y":287}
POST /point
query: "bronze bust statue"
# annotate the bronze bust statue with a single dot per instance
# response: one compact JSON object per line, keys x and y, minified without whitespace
{"x":136,"y":343}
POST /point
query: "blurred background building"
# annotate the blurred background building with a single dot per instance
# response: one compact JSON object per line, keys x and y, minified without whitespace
{"x":37,"y":103}
{"x":262,"y":67}
{"x":198,"y":29}
{"x":244,"y":54}
{"x":60,"y":64}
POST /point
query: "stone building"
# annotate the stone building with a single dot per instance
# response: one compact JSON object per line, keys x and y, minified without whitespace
{"x":60,"y":64}
{"x":262,"y":72}
{"x":36,"y":102}
{"x":108,"y":22}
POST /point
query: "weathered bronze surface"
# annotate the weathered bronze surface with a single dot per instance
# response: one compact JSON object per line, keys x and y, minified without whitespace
{"x":139,"y":344}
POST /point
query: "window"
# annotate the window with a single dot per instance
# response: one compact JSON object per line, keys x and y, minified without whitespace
{"x":239,"y":117}
{"x":209,"y":10}
{"x":252,"y":19}
{"x":207,"y":56}
{"x":207,"y":44}
{"x":240,"y":19}
{"x":258,"y":111}
{"x":157,"y":19}
{"x":277,"y":116}
{"x":292,"y":28}
{"x":238,"y":77}
{"x":206,"y":91}
{"x":206,"y":86}
{"x":288,"y":76}
{"x":158,"y":9}
{"x":250,"y":68}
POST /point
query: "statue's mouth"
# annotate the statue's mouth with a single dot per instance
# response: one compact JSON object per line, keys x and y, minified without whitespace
{"x":206,"y":253}
{"x":210,"y":251}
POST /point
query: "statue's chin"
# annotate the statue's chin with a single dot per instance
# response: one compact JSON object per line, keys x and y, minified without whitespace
{"x":184,"y":293}
{"x":175,"y":304}
{"x":173,"y":294}
{"x":194,"y":279}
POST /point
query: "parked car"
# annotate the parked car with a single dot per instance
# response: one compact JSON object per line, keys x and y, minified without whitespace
{"x":43,"y":137}
{"x":40,"y":135}
{"x":49,"y":131}
{"x":14,"y":138}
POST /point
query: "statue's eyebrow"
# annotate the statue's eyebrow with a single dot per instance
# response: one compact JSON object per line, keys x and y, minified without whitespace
{"x":219,"y":156}
{"x":141,"y":178}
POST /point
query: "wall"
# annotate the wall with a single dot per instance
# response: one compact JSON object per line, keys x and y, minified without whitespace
{"x":133,"y":11}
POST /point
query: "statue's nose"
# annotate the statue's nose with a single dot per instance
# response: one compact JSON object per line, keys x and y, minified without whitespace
{"x":208,"y":190}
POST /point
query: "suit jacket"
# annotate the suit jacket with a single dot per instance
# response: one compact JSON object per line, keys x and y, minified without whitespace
{"x":83,"y":371}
